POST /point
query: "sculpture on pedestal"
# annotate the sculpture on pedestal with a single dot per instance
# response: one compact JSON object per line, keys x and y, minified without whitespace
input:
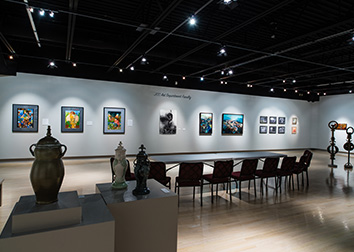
{"x":141,"y":171}
{"x":332,"y":148}
{"x":47,"y":171}
{"x":120,"y":165}
{"x":349,"y":146}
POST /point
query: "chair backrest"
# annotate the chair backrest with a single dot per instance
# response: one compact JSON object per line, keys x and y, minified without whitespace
{"x":288,"y":163}
{"x":249,"y":167}
{"x":157,"y":170}
{"x":271,"y":164}
{"x":128,"y":174}
{"x":223,"y":169}
{"x":308,"y":159}
{"x":111,"y":160}
{"x":190,"y":171}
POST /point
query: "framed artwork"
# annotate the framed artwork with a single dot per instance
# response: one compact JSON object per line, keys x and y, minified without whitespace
{"x":342,"y":126}
{"x":272,"y":119}
{"x":72,"y":119}
{"x":263,"y":119}
{"x":293,"y":130}
{"x":272,"y":129}
{"x":168,"y":122}
{"x":205,"y":123}
{"x":24,"y":118}
{"x":263,"y":129}
{"x":113,"y":120}
{"x":281,"y":130}
{"x":232,"y":124}
{"x":281,"y":120}
{"x":294,"y":121}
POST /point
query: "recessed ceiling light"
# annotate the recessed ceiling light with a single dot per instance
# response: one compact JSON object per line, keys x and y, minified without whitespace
{"x":41,"y":12}
{"x":183,"y":77}
{"x":11,"y":57}
{"x":51,"y":14}
{"x":120,"y":70}
{"x":192,"y":20}
{"x":132,"y":68}
{"x":74,"y":64}
{"x":201,"y":78}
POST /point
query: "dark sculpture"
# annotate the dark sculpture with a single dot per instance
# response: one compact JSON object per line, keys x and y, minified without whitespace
{"x":332,"y":148}
{"x":141,"y":171}
{"x":349,"y":146}
{"x":47,"y":171}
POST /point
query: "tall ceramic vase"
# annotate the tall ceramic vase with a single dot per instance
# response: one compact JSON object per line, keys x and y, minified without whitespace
{"x":141,"y":171}
{"x":120,"y":165}
{"x":47,"y":171}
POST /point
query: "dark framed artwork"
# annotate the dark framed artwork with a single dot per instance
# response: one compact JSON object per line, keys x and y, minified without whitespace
{"x":205,"y":123}
{"x":168,"y":122}
{"x":263,"y":119}
{"x":113,"y":120}
{"x":281,"y":120}
{"x":232,"y":124}
{"x":281,"y":130}
{"x":72,"y":119}
{"x":272,"y":129}
{"x":272,"y":119}
{"x":263,"y":129}
{"x":24,"y":118}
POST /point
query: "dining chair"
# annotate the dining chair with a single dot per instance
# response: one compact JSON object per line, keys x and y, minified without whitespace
{"x":269,"y":170}
{"x":303,"y":166}
{"x":158,"y":172}
{"x":190,"y":175}
{"x":286,"y":170}
{"x":247,"y":172}
{"x":221,"y":175}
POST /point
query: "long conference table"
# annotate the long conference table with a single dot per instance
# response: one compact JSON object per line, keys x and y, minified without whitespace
{"x":207,"y":157}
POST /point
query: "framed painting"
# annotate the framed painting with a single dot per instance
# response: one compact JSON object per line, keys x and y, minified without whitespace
{"x":281,"y":120}
{"x":168,"y":122}
{"x":272,"y":119}
{"x":293,"y":130}
{"x":205,"y":123}
{"x":263,"y":129}
{"x":342,"y":126}
{"x":281,"y":130}
{"x":24,"y":118}
{"x":272,"y":129}
{"x":113,"y":120}
{"x":263,"y":119}
{"x":294,"y":121}
{"x":72,"y":119}
{"x":232,"y":124}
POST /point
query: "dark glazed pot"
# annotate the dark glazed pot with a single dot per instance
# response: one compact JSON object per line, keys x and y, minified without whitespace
{"x":47,"y":171}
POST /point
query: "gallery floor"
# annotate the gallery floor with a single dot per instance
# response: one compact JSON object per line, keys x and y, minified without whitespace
{"x":318,"y":218}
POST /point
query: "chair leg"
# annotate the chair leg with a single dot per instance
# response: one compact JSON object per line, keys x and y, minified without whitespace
{"x":261,"y":187}
{"x":276,"y":184}
{"x":292,"y":179}
{"x":307,"y":178}
{"x":255,"y":189}
{"x":217,"y":188}
{"x":239,"y":190}
{"x":193,"y":193}
{"x":280,"y":184}
{"x":297,"y":179}
{"x":229,"y":185}
{"x":249,"y":184}
{"x":201,"y":194}
{"x":212,"y":196}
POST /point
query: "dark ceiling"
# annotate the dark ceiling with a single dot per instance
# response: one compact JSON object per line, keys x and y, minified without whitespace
{"x":269,"y":43}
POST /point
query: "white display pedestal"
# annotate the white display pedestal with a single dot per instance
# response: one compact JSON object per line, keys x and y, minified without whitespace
{"x":146,"y":223}
{"x":93,"y":231}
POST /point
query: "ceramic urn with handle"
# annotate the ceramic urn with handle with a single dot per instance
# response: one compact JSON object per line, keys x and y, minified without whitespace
{"x":47,"y":171}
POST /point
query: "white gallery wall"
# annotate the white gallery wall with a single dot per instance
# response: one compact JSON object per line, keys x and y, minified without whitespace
{"x":143,"y":104}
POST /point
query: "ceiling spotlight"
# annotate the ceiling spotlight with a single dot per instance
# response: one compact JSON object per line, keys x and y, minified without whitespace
{"x":284,"y":81}
{"x":41,"y":12}
{"x":74,"y":64}
{"x":11,"y":57}
{"x":222,"y":51}
{"x":31,"y":9}
{"x":296,"y":91}
{"x":230,"y":3}
{"x":294,"y":81}
{"x":350,"y":91}
{"x":183,"y":77}
{"x":165,"y":78}
{"x":271,"y":90}
{"x":324,"y":93}
{"x":318,"y":93}
{"x":132,"y":68}
{"x":308,"y":92}
{"x":249,"y":85}
{"x":192,"y":20}
{"x":51,"y":14}
{"x":225,"y":82}
{"x":120,"y":70}
{"x":284,"y":89}
{"x":230,"y":72}
{"x":52,"y":65}
{"x":201,"y":78}
{"x":221,"y":82}
{"x":176,"y":83}
{"x":222,"y":72}
{"x":144,"y":61}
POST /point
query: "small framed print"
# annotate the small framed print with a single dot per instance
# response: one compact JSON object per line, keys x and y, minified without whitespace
{"x":72,"y":119}
{"x":205,"y":123}
{"x":113,"y":120}
{"x":263,"y":119}
{"x":294,"y":121}
{"x":342,"y":126}
{"x":24,"y":118}
{"x":272,"y":129}
{"x":263,"y":129}
{"x":272,"y":119}
{"x":293,"y":130}
{"x":281,"y":120}
{"x":281,"y":130}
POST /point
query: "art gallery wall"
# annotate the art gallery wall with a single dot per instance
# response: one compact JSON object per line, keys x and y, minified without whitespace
{"x":143,"y":104}
{"x":338,"y":108}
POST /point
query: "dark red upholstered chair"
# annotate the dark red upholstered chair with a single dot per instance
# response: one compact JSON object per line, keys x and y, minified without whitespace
{"x":269,"y":171}
{"x":158,"y":172}
{"x":286,"y":169}
{"x":247,"y":172}
{"x":128,"y":174}
{"x":221,"y":175}
{"x":190,"y":175}
{"x":303,"y":166}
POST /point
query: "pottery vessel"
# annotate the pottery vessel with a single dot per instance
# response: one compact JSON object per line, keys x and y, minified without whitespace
{"x":120,"y":165}
{"x":141,"y":171}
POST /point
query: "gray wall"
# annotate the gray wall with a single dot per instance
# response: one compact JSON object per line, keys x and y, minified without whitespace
{"x":142,"y":109}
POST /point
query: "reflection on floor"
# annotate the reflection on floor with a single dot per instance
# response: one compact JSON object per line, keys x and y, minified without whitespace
{"x":318,"y":218}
